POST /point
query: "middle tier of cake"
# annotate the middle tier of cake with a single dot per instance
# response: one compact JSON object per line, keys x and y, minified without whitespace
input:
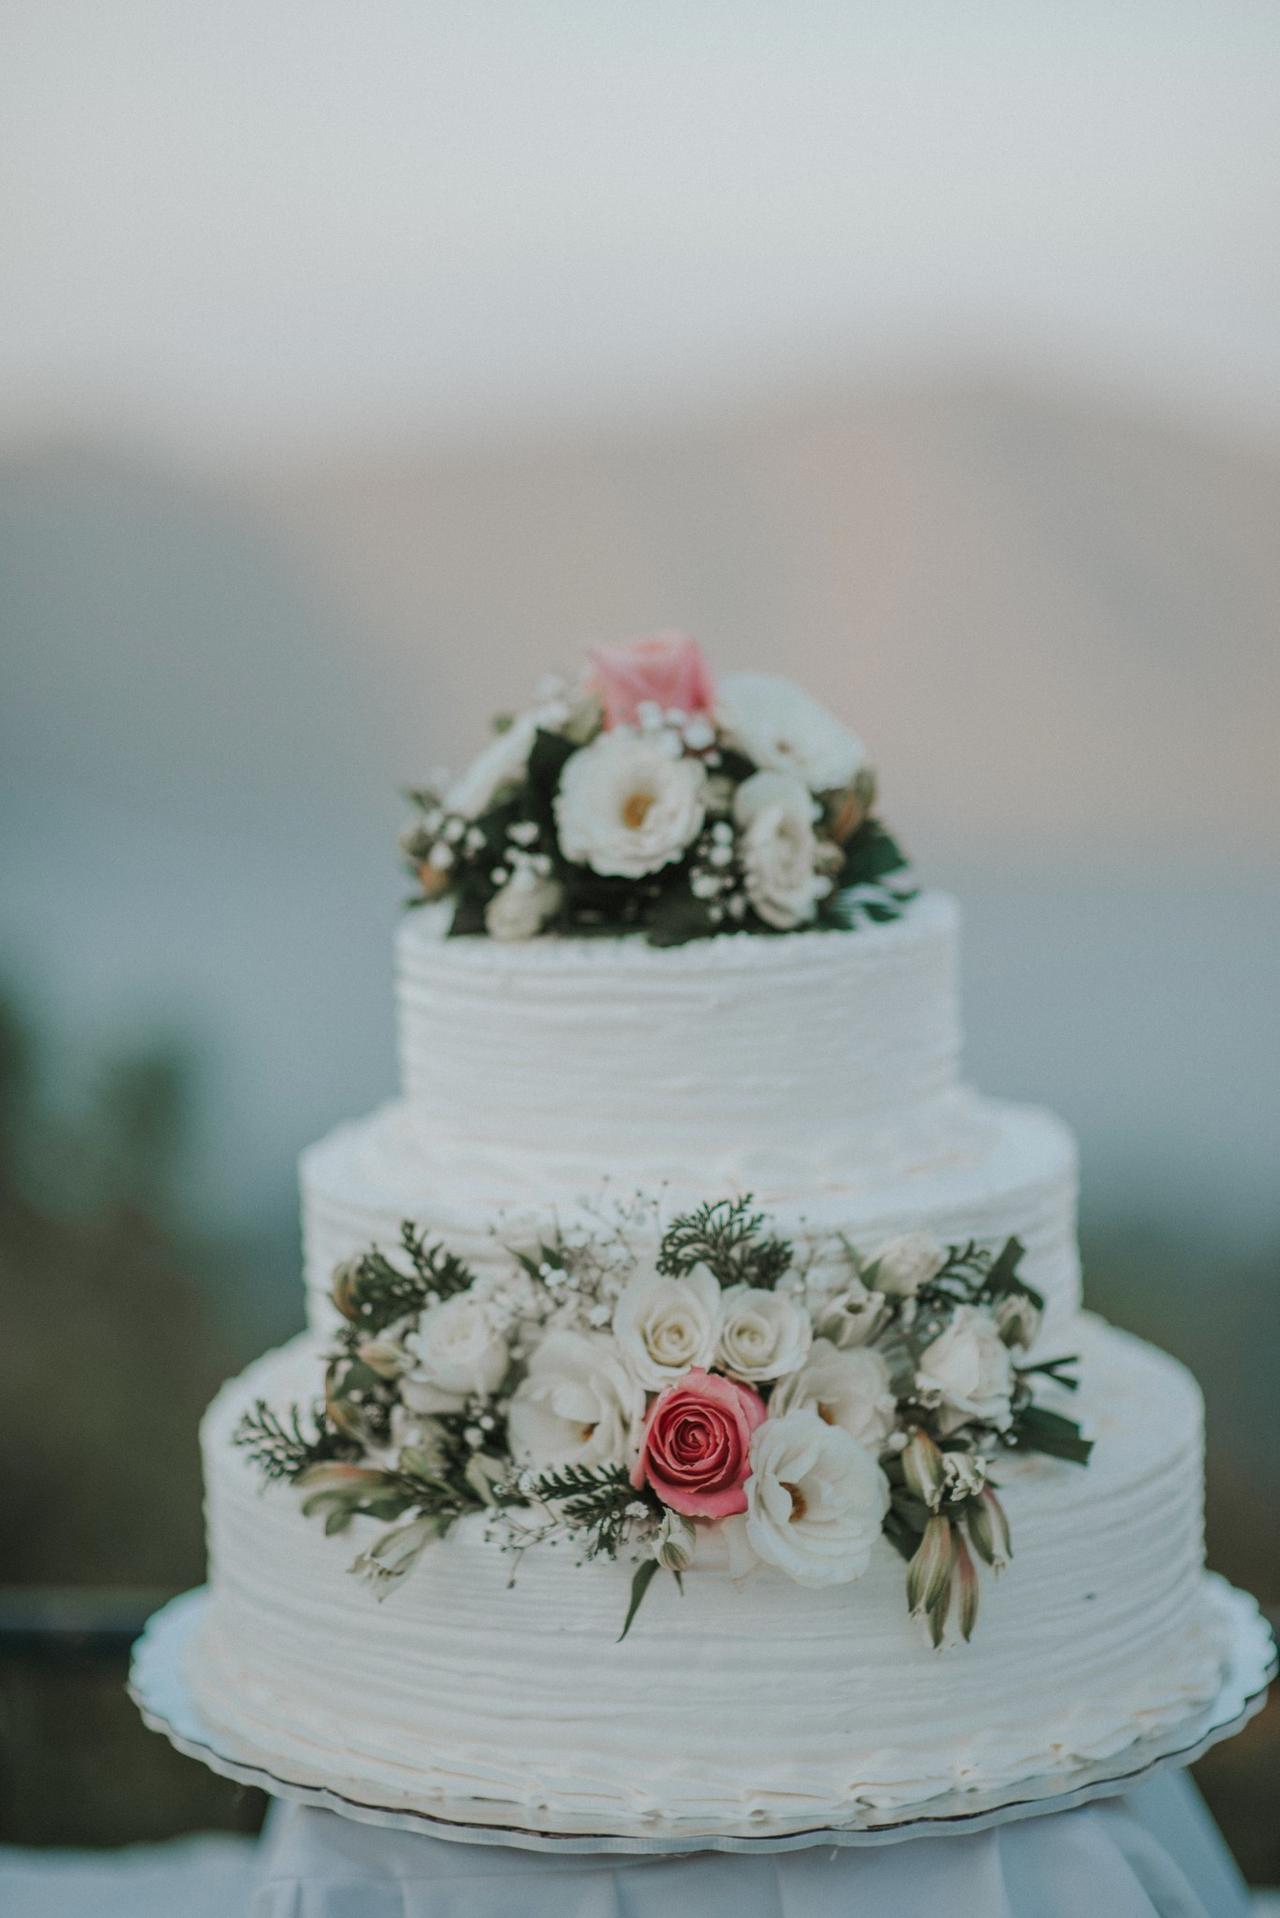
{"x":968,"y":1168}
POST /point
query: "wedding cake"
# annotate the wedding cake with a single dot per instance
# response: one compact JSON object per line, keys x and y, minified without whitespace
{"x":697,"y":1424}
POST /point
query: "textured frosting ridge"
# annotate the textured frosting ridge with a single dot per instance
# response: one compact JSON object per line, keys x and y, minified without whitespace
{"x":818,"y":1071}
{"x":745,"y":1055}
{"x":457,"y":1684}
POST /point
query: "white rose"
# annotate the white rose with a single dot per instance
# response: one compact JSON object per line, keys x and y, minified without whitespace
{"x":779,"y":726}
{"x":762,"y":1334}
{"x":521,"y":908}
{"x":848,"y":1389}
{"x":664,"y":1326}
{"x":816,"y":1499}
{"x":502,"y":762}
{"x":457,"y":1353}
{"x":577,"y":1405}
{"x":626,"y":806}
{"x":903,"y":1265}
{"x":851,"y":1316}
{"x":779,"y":849}
{"x":969,"y":1369}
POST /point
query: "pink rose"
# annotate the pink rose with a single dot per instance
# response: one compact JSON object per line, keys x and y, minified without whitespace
{"x":667,"y":669}
{"x":696,"y":1448}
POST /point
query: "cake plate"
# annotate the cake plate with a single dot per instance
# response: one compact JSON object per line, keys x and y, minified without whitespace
{"x":157,"y":1685}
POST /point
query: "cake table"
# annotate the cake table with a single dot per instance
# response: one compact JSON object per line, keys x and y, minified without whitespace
{"x":1155,"y":1851}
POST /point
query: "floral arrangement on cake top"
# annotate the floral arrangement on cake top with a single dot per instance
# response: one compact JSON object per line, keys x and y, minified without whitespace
{"x":651,"y":797}
{"x":798,"y":1405}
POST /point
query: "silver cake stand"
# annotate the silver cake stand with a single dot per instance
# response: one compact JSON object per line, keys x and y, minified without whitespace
{"x":158,"y":1687}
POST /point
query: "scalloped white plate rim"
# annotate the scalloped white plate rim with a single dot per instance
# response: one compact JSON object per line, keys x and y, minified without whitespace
{"x":158,"y":1688}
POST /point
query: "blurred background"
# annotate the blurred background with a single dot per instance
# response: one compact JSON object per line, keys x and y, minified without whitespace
{"x":358,"y":365}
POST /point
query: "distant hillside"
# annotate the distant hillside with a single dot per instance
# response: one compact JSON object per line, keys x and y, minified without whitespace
{"x":1056,"y":623}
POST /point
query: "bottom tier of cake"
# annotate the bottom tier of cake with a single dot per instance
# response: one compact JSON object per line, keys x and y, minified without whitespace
{"x":727,"y":1703}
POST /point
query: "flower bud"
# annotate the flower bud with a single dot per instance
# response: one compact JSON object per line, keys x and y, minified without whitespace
{"x":1018,"y":1319}
{"x":391,"y":1556}
{"x":982,"y":1534}
{"x":486,"y":1476}
{"x":344,"y":1288}
{"x":905,"y":1264}
{"x":964,"y":1587}
{"x":345,"y":1418}
{"x":382,"y":1356}
{"x":929,"y":1575}
{"x":846,"y":811}
{"x":992,"y":1529}
{"x":923,"y":1467}
{"x":675,"y":1542}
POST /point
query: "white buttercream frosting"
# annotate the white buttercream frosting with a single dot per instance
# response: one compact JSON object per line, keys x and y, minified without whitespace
{"x":727,"y":1703}
{"x":745,"y":1058}
{"x":966,"y":1168}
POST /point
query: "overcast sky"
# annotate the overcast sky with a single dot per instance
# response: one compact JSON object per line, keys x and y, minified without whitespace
{"x":246,"y":228}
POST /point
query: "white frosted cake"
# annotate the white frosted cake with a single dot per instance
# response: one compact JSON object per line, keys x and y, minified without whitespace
{"x":779,"y":1444}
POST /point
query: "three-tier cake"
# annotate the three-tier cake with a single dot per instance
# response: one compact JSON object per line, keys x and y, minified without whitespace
{"x":696,"y":1374}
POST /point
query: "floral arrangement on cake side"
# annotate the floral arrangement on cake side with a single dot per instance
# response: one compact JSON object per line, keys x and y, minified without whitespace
{"x":651,"y":797}
{"x":799,"y":1405}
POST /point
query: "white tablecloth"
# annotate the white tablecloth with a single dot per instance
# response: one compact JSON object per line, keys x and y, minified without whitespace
{"x":1155,"y":1854}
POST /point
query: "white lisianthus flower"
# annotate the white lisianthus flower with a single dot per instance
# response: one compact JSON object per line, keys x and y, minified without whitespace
{"x":851,"y":1316}
{"x":969,"y":1371}
{"x":903,"y":1265}
{"x":502,"y":762}
{"x":783,"y":729}
{"x":816,"y":1499}
{"x":848,"y":1389}
{"x":577,"y":1405}
{"x":762,"y":1334}
{"x":521,"y":908}
{"x":456,"y":1353}
{"x":665,"y":1326}
{"x":779,"y":849}
{"x":628,"y":806}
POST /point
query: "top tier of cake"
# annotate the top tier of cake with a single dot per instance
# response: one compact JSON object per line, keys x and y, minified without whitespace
{"x":758,"y":1060}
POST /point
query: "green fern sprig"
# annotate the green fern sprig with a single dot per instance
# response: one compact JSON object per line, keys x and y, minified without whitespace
{"x":285,"y":1446}
{"x":593,"y":1499}
{"x":440,"y":1270}
{"x":372,"y":1293}
{"x":728,"y":1238}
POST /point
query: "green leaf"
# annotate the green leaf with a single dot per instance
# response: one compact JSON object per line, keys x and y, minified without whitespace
{"x":677,"y":917}
{"x":640,"y":1584}
{"x":870,"y":854}
{"x":468,"y":919}
{"x":1004,"y":1269}
{"x":1039,"y":1430}
{"x":547,"y":758}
